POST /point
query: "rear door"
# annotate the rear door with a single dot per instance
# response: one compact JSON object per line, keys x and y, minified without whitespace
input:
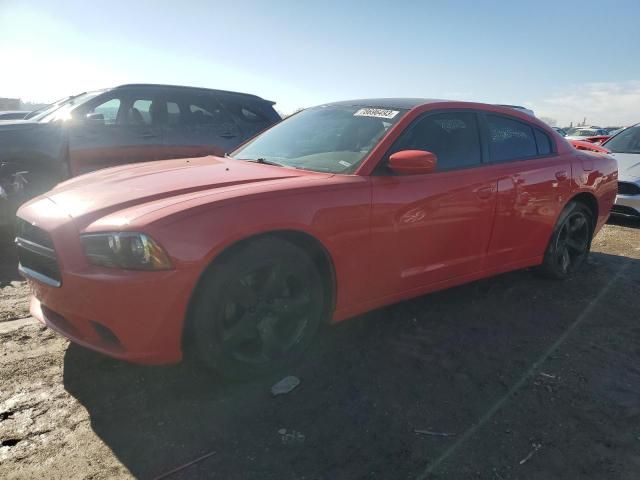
{"x":198,"y":125}
{"x":116,"y":129}
{"x":534,"y":182}
{"x":433,"y":227}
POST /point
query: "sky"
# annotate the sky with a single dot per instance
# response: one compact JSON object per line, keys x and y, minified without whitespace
{"x":565,"y":60}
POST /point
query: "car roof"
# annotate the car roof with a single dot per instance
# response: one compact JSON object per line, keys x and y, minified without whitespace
{"x":193,"y":89}
{"x":405,"y":103}
{"x":409,"y":103}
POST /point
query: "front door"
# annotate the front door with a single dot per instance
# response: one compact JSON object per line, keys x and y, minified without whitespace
{"x":433,"y":227}
{"x":115,"y":131}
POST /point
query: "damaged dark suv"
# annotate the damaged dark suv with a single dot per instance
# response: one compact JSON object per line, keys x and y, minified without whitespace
{"x":126,"y":124}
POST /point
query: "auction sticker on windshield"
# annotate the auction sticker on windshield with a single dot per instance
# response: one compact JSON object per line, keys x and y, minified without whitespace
{"x":376,"y":112}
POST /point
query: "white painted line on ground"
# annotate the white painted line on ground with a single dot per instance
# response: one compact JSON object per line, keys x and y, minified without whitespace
{"x":520,"y":383}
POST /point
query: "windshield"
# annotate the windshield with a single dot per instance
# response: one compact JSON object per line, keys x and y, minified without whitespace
{"x":333,"y":138}
{"x":61,"y":110}
{"x":627,"y":141}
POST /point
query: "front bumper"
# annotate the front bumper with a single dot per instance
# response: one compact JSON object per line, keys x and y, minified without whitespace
{"x":136,"y":316}
{"x":132,"y":316}
{"x":627,"y":205}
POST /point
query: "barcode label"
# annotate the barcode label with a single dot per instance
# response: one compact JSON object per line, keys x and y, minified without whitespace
{"x":375,"y":112}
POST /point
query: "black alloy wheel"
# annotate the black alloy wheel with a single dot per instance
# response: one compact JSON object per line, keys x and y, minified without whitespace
{"x":571,"y":242}
{"x":258,"y":308}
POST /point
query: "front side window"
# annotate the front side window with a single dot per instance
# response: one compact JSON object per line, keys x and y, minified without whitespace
{"x":66,"y":109}
{"x":510,"y":139}
{"x":108,"y":110}
{"x":627,"y":141}
{"x":330,"y":138}
{"x":452,"y":136}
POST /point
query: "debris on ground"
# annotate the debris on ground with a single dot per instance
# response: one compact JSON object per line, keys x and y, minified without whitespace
{"x":291,"y":437}
{"x":434,"y":434}
{"x":536,"y":447}
{"x":284,"y":386}
{"x":186,"y":465}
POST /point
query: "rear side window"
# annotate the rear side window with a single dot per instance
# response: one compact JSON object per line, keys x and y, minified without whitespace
{"x":510,"y":139}
{"x":139,"y":112}
{"x":452,"y":136}
{"x":543,"y":142}
{"x":173,"y":113}
{"x":206,"y":111}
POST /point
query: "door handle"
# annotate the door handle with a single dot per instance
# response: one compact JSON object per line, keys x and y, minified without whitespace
{"x":228,"y":135}
{"x":148,"y":135}
{"x":562,"y":175}
{"x":484,"y":193}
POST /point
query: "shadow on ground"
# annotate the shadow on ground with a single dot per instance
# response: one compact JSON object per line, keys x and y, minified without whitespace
{"x":624,"y":221}
{"x":436,"y":363}
{"x":8,"y":261}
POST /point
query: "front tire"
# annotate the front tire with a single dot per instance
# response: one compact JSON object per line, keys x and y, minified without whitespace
{"x":570,"y":243}
{"x":258,"y":308}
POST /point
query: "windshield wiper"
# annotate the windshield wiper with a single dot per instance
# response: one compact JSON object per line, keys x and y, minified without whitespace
{"x":261,"y":160}
{"x":264,"y":161}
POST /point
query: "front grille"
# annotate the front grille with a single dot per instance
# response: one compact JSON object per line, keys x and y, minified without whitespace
{"x":626,"y":188}
{"x":36,"y":254}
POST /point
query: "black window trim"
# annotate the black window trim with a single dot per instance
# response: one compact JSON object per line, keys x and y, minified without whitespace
{"x":382,"y":169}
{"x":485,"y":131}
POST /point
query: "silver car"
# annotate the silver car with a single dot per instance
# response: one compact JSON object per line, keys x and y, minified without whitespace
{"x":625,"y":147}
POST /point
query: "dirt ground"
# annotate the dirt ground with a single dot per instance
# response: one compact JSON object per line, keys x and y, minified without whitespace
{"x":516,"y":377}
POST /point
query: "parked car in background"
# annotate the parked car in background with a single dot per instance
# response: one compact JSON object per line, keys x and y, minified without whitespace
{"x":613,"y":133}
{"x":335,"y":211}
{"x":588,"y":146}
{"x":584,"y":133}
{"x":625,"y":148}
{"x":561,"y":131}
{"x":13,"y":115}
{"x":126,"y":124}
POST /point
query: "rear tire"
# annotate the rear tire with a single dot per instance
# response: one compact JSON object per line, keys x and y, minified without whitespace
{"x":257,"y":309}
{"x":570,"y":242}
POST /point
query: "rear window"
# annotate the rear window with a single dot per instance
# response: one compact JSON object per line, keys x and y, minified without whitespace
{"x":510,"y":139}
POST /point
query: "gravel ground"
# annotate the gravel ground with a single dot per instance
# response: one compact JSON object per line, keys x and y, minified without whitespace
{"x":515,"y":377}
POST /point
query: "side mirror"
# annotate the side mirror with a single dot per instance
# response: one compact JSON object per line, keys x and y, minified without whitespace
{"x":96,"y":118}
{"x":413,"y":162}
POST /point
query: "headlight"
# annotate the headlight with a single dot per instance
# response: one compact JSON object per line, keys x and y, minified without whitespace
{"x":129,"y":250}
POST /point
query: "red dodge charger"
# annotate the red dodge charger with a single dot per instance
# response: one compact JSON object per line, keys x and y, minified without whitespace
{"x":337,"y":210}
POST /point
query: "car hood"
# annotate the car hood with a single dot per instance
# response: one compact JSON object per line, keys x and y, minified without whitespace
{"x":117,"y":188}
{"x":628,"y":166}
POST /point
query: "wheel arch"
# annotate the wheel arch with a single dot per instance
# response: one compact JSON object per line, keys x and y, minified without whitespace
{"x":307,"y":242}
{"x":590,"y":201}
